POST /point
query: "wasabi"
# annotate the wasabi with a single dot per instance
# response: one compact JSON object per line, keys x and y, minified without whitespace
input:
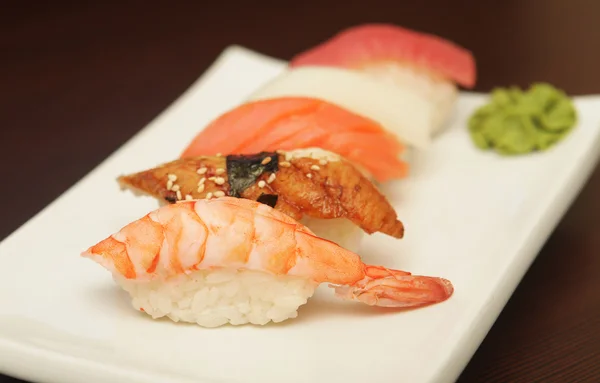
{"x":517,"y":122}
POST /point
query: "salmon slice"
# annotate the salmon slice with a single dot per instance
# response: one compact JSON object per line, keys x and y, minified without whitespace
{"x":289,"y":123}
{"x":365,"y":45}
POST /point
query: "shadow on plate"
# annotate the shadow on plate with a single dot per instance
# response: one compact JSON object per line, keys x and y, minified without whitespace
{"x":113,"y":297}
{"x":322,"y":309}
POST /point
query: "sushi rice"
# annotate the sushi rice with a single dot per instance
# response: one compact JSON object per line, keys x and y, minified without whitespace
{"x":213,"y":298}
{"x":339,"y":230}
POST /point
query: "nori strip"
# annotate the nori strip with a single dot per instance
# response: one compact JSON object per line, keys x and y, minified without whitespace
{"x":244,"y":170}
{"x":171,"y":198}
{"x":268,"y":199}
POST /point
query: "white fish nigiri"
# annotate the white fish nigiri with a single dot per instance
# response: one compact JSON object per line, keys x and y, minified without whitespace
{"x":382,"y":102}
{"x":361,"y":67}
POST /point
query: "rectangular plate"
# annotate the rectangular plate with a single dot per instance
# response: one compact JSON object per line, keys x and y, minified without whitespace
{"x":476,"y":218}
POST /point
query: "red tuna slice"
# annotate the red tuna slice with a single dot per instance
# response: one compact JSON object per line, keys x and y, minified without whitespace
{"x":359,"y":46}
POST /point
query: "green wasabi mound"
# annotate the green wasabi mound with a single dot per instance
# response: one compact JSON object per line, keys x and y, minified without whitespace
{"x":517,"y":122}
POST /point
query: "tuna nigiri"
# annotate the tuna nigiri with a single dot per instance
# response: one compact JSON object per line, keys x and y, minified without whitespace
{"x":320,"y":189}
{"x":368,"y":46}
{"x":232,"y":260}
{"x":290,"y":123}
{"x":404,"y":79}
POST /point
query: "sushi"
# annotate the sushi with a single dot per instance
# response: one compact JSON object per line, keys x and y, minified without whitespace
{"x":238,"y":261}
{"x":406,"y":80}
{"x":318,"y":188}
{"x":368,"y":46}
{"x":289,"y":123}
{"x":398,"y":110}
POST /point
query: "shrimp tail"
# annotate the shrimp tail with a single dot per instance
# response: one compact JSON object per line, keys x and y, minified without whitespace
{"x":393,"y":288}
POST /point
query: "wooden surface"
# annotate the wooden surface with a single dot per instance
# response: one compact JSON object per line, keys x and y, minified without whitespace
{"x":79,"y":80}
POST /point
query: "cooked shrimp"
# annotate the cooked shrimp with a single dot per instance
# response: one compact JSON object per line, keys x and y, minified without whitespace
{"x":241,"y":234}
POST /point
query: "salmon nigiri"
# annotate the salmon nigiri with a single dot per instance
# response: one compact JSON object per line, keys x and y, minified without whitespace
{"x":290,"y":123}
{"x":405,"y":80}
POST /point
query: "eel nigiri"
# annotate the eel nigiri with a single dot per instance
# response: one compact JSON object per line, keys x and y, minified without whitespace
{"x":237,"y":261}
{"x":290,"y":123}
{"x":318,"y":188}
{"x":404,"y":79}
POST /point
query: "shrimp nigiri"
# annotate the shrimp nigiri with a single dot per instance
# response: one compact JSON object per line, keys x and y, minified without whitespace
{"x":237,"y":261}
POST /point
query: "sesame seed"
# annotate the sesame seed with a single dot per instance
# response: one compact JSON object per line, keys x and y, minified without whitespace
{"x":175,"y":188}
{"x":188,"y":197}
{"x":200,"y":188}
{"x":309,"y":175}
{"x":265,"y":161}
{"x":219,"y":180}
{"x":169,"y":185}
{"x":279,"y":151}
{"x":209,"y":196}
{"x":285,"y":164}
{"x":261,"y":184}
{"x":178,"y":194}
{"x":219,"y":193}
{"x":172,"y":177}
{"x":202,"y":180}
{"x":220,"y":171}
{"x":212,"y":178}
{"x":315,"y":167}
{"x":271,"y":178}
{"x":219,"y":154}
{"x":201,"y":170}
{"x":323,"y":162}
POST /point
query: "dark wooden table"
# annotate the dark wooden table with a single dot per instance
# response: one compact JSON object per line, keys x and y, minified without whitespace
{"x":79,"y":80}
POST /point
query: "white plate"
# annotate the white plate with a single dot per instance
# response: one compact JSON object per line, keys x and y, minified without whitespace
{"x":475,"y":218}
